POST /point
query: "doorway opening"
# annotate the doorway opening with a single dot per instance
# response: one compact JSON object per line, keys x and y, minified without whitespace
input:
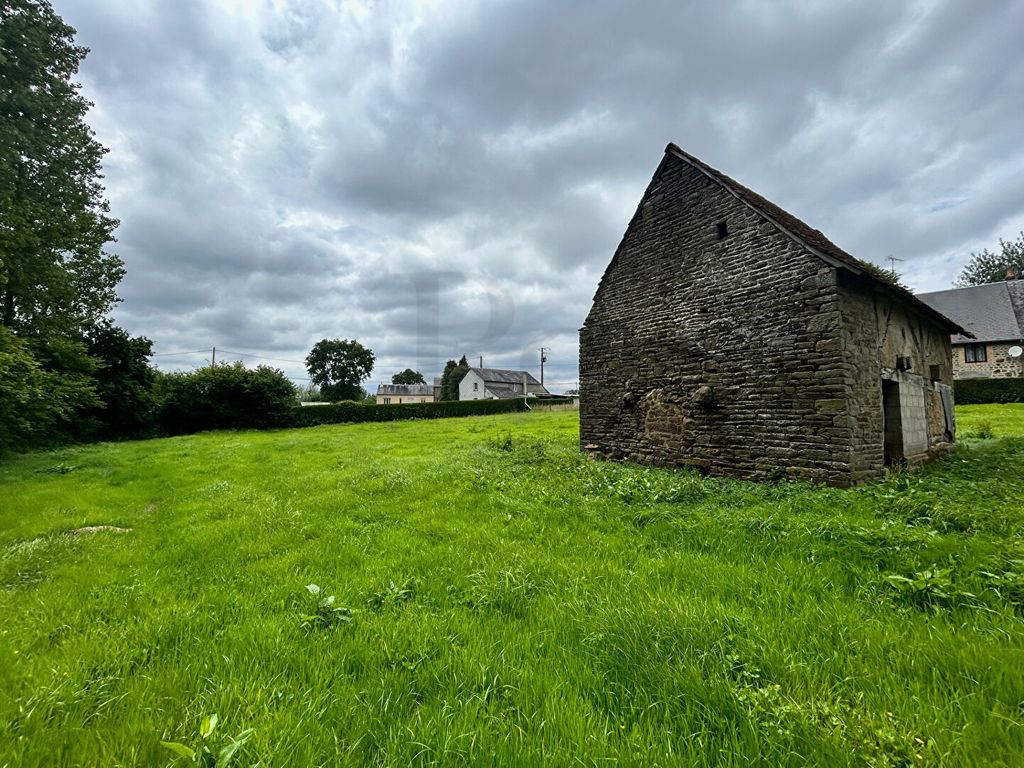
{"x":892,"y":424}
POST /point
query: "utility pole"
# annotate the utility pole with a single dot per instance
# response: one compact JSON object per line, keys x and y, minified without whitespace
{"x":213,"y":358}
{"x":481,"y":361}
{"x":543,"y":359}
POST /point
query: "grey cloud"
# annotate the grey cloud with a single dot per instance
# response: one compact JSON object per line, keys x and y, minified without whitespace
{"x":453,"y":178}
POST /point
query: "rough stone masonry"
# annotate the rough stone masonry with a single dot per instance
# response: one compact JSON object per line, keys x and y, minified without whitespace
{"x":728,"y":335}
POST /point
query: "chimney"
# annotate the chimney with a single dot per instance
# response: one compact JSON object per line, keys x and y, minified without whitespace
{"x":1011,"y":273}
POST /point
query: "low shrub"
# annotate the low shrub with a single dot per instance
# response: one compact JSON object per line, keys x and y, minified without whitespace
{"x":350,"y":412}
{"x":978,"y":391}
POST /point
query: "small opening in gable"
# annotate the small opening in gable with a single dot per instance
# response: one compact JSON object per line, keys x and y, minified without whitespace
{"x":723,"y":230}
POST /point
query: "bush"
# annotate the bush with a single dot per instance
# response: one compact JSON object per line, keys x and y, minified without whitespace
{"x":224,"y":397}
{"x":978,"y":391}
{"x":342,"y":413}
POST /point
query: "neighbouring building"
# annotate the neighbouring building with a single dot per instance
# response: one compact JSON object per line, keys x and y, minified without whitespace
{"x":728,"y":335}
{"x":994,"y":313}
{"x":497,"y":384}
{"x":398,"y":394}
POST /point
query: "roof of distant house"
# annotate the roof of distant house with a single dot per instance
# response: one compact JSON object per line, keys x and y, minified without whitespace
{"x":408,"y":390}
{"x":502,"y":376}
{"x":503,"y":393}
{"x":813,"y":239}
{"x":992,"y":312}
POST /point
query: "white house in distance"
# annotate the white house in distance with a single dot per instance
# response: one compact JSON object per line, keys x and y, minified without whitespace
{"x":398,"y":394}
{"x":497,"y":384}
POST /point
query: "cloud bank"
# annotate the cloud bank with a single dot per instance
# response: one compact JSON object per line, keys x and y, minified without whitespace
{"x":453,"y":177}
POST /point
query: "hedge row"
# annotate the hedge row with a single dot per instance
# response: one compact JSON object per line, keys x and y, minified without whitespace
{"x":976,"y":391}
{"x":542,"y":402}
{"x":347,"y":413}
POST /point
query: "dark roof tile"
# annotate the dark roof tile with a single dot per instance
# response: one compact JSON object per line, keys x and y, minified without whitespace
{"x":992,"y":312}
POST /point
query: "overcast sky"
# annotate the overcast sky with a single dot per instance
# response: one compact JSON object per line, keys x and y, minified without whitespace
{"x":453,"y":177}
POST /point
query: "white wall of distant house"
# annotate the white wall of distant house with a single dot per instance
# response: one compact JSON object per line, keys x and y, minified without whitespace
{"x":472,"y":387}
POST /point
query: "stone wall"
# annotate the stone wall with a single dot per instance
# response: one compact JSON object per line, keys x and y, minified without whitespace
{"x":745,"y":355}
{"x":718,"y":353}
{"x":999,"y":365}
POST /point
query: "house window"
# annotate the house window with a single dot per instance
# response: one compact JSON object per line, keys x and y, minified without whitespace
{"x":476,"y":386}
{"x":723,"y":230}
{"x":975,"y":353}
{"x":387,"y":401}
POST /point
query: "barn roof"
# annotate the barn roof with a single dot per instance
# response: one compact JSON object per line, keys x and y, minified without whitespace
{"x":992,"y":312}
{"x":812,"y":239}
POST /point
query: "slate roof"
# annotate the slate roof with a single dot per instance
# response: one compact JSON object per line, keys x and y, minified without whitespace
{"x":501,"y":376}
{"x":992,"y":312}
{"x":408,"y":390}
{"x":504,"y":393}
{"x":811,"y":238}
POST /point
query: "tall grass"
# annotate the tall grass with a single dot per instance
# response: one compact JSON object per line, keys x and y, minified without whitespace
{"x":500,"y":600}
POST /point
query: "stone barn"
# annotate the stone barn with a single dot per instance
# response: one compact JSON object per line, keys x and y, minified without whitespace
{"x":728,"y":335}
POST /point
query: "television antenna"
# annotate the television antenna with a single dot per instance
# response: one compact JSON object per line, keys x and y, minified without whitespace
{"x":892,"y":262}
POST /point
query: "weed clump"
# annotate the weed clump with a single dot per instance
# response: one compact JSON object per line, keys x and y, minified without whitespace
{"x":325,"y":614}
{"x":221,"y":756}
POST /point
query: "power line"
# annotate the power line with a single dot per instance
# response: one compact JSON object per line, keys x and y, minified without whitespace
{"x":193,"y":352}
{"x":262,"y":357}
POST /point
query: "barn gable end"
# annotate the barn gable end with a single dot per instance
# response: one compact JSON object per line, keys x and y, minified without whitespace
{"x":716,"y":340}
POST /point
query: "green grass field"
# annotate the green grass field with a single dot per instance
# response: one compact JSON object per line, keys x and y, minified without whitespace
{"x":500,"y":600}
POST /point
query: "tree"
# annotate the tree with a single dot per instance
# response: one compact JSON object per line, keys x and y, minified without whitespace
{"x":26,"y":408}
{"x":446,"y":377}
{"x":338,"y":367}
{"x":452,"y":377}
{"x":408,"y":376}
{"x":989,"y":267}
{"x":55,"y":277}
{"x":124,"y":382}
{"x":39,"y":407}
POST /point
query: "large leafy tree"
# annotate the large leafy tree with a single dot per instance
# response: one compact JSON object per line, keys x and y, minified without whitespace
{"x":408,"y":376}
{"x":990,"y":267}
{"x":338,"y":367}
{"x":55,"y":276}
